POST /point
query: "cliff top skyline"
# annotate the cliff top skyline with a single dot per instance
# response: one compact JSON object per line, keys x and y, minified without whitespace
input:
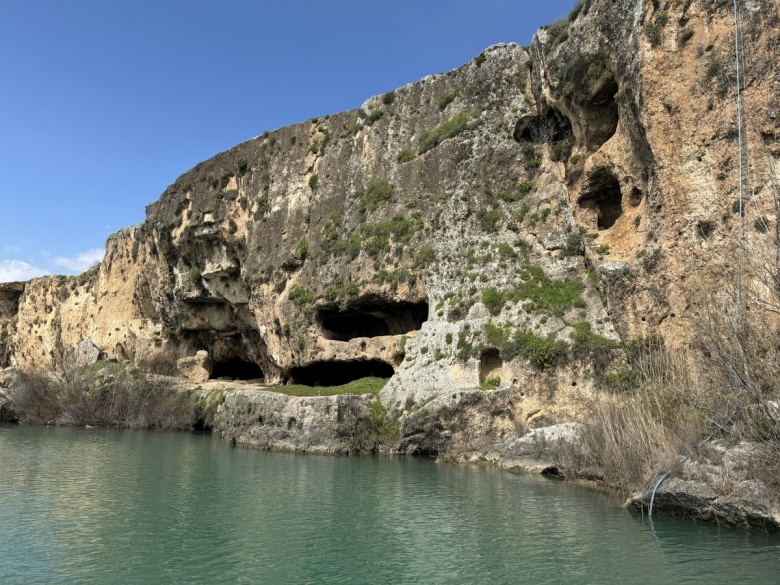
{"x":109,"y":103}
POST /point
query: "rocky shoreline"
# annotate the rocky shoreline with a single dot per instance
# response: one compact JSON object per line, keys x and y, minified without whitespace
{"x":474,"y":427}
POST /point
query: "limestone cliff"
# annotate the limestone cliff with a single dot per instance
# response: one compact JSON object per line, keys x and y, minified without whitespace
{"x":450,"y":233}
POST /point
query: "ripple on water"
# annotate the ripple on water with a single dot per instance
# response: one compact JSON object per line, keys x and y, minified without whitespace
{"x":107,"y":506}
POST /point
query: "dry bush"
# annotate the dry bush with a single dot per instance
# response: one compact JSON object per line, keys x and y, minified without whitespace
{"x":81,"y":397}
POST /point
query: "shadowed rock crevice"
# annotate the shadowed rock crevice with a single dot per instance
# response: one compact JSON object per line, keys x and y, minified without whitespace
{"x":601,"y":194}
{"x":336,"y":373}
{"x":371,"y":318}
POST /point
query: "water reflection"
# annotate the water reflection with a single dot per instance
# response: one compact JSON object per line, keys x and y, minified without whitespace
{"x":98,"y":506}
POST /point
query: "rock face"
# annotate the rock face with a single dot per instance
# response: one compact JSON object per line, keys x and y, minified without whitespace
{"x":450,"y":235}
{"x":318,"y":424}
{"x":718,"y":493}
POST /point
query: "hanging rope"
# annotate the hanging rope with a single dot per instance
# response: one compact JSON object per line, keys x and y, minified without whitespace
{"x":740,"y":247}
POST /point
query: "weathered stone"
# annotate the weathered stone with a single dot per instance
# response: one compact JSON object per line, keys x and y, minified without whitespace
{"x":314,"y":424}
{"x":197,"y":368}
{"x":85,"y":353}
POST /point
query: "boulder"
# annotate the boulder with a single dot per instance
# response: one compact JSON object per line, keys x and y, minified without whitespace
{"x":85,"y":353}
{"x":197,"y":368}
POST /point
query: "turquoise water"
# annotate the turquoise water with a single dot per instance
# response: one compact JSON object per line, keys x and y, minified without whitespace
{"x":108,"y":506}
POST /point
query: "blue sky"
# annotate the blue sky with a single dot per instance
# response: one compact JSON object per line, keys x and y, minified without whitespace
{"x":104,"y":103}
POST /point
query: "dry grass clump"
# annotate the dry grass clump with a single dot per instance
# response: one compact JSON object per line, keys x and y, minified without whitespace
{"x":87,"y":396}
{"x":631,"y":435}
{"x":725,"y":387}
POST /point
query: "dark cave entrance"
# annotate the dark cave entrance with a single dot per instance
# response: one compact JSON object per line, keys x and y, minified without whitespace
{"x":490,"y":365}
{"x":336,"y":373}
{"x":236,"y":369}
{"x":372,"y":318}
{"x":552,"y":128}
{"x":602,"y":195}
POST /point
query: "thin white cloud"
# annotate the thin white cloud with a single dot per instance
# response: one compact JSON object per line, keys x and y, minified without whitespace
{"x":13,"y":270}
{"x":11,"y":249}
{"x":79,"y":262}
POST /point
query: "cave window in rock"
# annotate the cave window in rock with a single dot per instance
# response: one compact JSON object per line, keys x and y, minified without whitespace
{"x":490,"y":366}
{"x":371,"y":318}
{"x":236,"y":369}
{"x":551,"y":128}
{"x":602,"y":195}
{"x":336,"y":373}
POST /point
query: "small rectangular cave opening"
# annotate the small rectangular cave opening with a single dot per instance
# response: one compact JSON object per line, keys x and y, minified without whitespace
{"x":371,"y":318}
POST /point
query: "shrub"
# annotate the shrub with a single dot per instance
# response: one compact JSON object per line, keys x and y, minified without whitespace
{"x":557,"y":32}
{"x":653,"y":30}
{"x":449,"y":129}
{"x":464,"y":346}
{"x":405,"y":156}
{"x":480,"y":59}
{"x":195,"y":276}
{"x":541,"y":352}
{"x":495,"y":335}
{"x":490,"y":383}
{"x":81,"y":397}
{"x":573,"y":245}
{"x":489,"y":219}
{"x":300,"y":296}
{"x":301,"y":250}
{"x":714,"y":69}
{"x":446,"y":99}
{"x":388,"y":98}
{"x":425,"y":256}
{"x":377,"y":192}
{"x":762,"y":224}
{"x":591,"y":347}
{"x":313,"y":181}
{"x":493,"y":299}
{"x":554,"y":296}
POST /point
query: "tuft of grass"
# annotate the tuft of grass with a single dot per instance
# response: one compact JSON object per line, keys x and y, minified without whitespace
{"x":449,"y":129}
{"x":405,"y":156}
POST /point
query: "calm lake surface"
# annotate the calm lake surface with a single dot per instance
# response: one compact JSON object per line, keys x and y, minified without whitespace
{"x":108,"y":506}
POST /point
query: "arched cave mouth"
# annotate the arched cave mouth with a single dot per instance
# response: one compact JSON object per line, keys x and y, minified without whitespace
{"x":602,"y":195}
{"x":371,"y":318}
{"x":490,"y":365}
{"x":552,"y":128}
{"x":236,"y":369}
{"x":336,"y":373}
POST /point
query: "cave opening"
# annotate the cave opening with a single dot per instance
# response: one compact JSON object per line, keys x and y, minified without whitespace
{"x":601,"y":114}
{"x":371,"y":318}
{"x":336,"y":373}
{"x":490,"y":366}
{"x":602,"y":195}
{"x":552,"y":128}
{"x":236,"y":369}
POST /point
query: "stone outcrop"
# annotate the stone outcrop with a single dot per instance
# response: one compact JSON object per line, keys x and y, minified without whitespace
{"x":454,"y":234}
{"x":716,"y":491}
{"x":196,"y":369}
{"x":340,"y":424}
